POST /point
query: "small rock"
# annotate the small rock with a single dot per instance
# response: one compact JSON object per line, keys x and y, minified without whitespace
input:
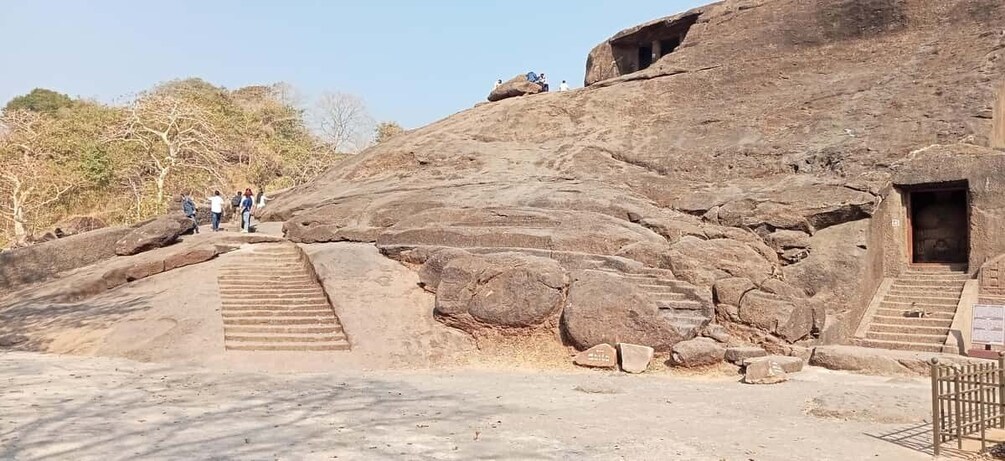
{"x":697,"y":352}
{"x":599,"y":356}
{"x":803,"y":353}
{"x":788,"y":364}
{"x":718,"y":333}
{"x":738,"y":355}
{"x":765,"y":372}
{"x":635,"y":358}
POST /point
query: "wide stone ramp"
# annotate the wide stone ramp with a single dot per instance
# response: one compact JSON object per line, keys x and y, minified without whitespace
{"x":899,"y":324}
{"x":272,"y":301}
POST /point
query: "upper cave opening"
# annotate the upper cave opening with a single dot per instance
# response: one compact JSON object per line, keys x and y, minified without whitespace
{"x":641,"y":48}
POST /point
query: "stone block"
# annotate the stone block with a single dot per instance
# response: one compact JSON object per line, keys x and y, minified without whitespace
{"x":788,"y":364}
{"x":635,"y":358}
{"x":738,"y":355}
{"x":599,"y":356}
{"x":765,"y":372}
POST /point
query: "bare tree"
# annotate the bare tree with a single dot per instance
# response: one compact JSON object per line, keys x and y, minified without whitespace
{"x":31,"y":176}
{"x":343,"y":121}
{"x":175,"y":135}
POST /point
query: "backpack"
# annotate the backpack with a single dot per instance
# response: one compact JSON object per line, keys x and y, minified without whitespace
{"x":188,"y":207}
{"x":531,"y":77}
{"x":235,"y":201}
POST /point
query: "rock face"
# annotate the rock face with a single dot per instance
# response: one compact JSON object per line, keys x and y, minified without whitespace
{"x":44,"y":261}
{"x":154,"y":234}
{"x":516,"y":86}
{"x":599,"y":356}
{"x":749,"y":158}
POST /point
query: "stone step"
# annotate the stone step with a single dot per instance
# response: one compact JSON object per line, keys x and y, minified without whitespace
{"x":942,"y":332}
{"x":284,"y":338}
{"x":291,"y":347}
{"x":898,"y":345}
{"x":901,"y":283}
{"x":265,"y":291}
{"x":913,"y":306}
{"x":931,"y":301}
{"x":901,"y":320}
{"x":228,"y":314}
{"x":271,"y":307}
{"x":239,"y":283}
{"x":906,"y":337}
{"x":248,"y":321}
{"x":261,"y":277}
{"x":269,"y":286}
{"x":680,"y":305}
{"x":900,"y":313}
{"x":922,"y":292}
{"x":957,"y":267}
{"x":264,"y":268}
{"x":934,"y":275}
{"x":277,"y":300}
{"x":289,"y":329}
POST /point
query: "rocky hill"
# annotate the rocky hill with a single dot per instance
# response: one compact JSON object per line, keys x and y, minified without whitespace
{"x":733,"y":180}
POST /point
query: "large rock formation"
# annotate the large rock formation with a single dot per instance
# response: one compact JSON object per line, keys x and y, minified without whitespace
{"x":749,"y":157}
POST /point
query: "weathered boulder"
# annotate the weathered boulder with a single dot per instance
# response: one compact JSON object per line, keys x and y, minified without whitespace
{"x":738,"y":355}
{"x":12,"y":340}
{"x":500,"y":290}
{"x":787,"y":239}
{"x":603,"y":308}
{"x":44,"y":261}
{"x":764,"y":372}
{"x":157,"y":233}
{"x":599,"y":356}
{"x":881,"y":362}
{"x":634,"y":358}
{"x":789,"y":364}
{"x":731,"y":290}
{"x":697,"y":352}
{"x":433,"y":266}
{"x":702,"y":262}
{"x":777,"y":315}
{"x":135,"y":271}
{"x":192,"y":256}
{"x":516,"y":86}
{"x":718,"y":333}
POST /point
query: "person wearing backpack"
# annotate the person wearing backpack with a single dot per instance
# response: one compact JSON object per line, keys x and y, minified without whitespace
{"x":188,"y":207}
{"x":247,"y":204}
{"x":235,"y":205}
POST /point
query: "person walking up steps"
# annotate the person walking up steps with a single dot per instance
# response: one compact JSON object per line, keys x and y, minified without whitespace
{"x":216,"y":208}
{"x":188,"y":207}
{"x":247,"y":204}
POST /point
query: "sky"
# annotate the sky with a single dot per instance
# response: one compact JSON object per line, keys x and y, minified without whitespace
{"x":412,"y":62}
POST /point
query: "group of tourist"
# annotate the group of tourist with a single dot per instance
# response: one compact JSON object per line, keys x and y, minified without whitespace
{"x":244,"y":204}
{"x":539,"y":79}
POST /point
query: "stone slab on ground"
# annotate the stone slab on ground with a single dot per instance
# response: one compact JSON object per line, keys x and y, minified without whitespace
{"x":697,"y":352}
{"x":881,"y":361}
{"x":789,"y":364}
{"x":599,"y":356}
{"x":765,"y":372}
{"x":737,"y":355}
{"x":635,"y":358}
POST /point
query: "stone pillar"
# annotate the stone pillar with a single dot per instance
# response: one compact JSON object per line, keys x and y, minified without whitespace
{"x":998,"y":119}
{"x":657,"y":50}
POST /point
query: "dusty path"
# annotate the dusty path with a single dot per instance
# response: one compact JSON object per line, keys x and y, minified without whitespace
{"x":55,"y":407}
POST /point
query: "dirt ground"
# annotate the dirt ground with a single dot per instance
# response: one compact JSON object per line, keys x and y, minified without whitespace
{"x":54,"y":407}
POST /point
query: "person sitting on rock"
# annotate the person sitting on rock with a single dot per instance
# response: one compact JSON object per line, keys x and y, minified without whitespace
{"x":563,"y":87}
{"x":543,"y":81}
{"x":497,"y":84}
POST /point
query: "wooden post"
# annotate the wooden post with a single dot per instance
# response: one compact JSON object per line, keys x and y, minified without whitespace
{"x":936,"y":414}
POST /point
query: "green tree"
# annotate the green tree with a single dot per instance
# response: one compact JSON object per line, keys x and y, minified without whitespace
{"x":39,"y":100}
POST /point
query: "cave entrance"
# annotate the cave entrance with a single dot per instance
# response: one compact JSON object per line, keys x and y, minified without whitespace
{"x":939,"y":230}
{"x":645,"y":56}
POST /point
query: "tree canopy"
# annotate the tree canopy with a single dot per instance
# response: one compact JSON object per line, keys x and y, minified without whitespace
{"x":123,"y":163}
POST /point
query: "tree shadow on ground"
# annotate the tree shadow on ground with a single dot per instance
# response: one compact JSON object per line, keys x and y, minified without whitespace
{"x":246,"y":416}
{"x":34,"y":318}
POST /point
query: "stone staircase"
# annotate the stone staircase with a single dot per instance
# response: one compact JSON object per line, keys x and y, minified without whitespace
{"x":681,"y":303}
{"x":936,"y":290}
{"x":272,"y":301}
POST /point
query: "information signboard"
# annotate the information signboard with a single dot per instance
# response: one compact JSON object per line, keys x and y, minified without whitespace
{"x":989,"y":324}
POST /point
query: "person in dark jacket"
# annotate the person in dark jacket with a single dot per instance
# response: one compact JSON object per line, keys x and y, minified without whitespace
{"x":188,"y":207}
{"x":247,"y":206}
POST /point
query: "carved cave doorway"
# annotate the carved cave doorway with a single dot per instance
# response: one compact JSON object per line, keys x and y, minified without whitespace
{"x":939,"y":224}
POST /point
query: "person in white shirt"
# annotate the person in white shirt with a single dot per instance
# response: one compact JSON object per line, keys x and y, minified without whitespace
{"x":543,"y":81}
{"x":497,"y":84}
{"x":563,"y":86}
{"x":216,"y":209}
